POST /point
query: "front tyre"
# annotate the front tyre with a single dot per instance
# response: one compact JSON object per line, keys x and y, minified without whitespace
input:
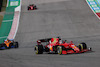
{"x":59,"y":50}
{"x":82,"y":46}
{"x":39,"y":49}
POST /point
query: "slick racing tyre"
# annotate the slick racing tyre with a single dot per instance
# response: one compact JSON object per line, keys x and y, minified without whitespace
{"x":35,"y":7}
{"x":82,"y":46}
{"x":39,"y":49}
{"x":59,"y":50}
{"x":16,"y":45}
{"x":11,"y":44}
{"x":3,"y":45}
{"x":28,"y":8}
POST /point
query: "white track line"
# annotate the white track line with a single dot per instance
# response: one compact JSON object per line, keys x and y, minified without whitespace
{"x":18,"y":19}
{"x":3,"y":37}
{"x":7,"y":20}
{"x":15,"y":24}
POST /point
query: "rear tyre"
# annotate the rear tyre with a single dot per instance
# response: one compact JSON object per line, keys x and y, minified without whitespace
{"x":82,"y":46}
{"x":59,"y":50}
{"x":11,"y":44}
{"x":3,"y":45}
{"x":39,"y":49}
{"x":35,"y":7}
{"x":28,"y":8}
{"x":16,"y":45}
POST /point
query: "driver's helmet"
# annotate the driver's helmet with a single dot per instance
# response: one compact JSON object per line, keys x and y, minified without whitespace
{"x":64,"y":41}
{"x":38,"y":41}
{"x":5,"y":40}
{"x":12,"y":40}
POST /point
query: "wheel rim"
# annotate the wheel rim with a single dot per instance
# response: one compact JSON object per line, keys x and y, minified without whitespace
{"x":81,"y":47}
{"x":59,"y":50}
{"x":36,"y":49}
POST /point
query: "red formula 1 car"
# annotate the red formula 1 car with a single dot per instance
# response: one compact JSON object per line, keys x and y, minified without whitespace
{"x":32,"y":7}
{"x":58,"y":46}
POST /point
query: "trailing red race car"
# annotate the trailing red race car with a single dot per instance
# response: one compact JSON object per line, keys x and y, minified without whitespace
{"x":32,"y":7}
{"x":58,"y":46}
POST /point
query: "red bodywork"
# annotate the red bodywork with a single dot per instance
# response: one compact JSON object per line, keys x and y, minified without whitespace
{"x":69,"y":48}
{"x":72,"y":49}
{"x":32,"y":7}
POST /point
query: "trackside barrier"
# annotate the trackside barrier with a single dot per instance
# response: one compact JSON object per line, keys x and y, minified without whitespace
{"x":11,"y":20}
{"x":95,"y":6}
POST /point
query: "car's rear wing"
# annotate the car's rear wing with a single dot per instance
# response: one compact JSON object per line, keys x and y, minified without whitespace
{"x":44,"y":40}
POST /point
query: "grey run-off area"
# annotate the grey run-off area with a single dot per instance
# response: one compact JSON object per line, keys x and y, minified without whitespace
{"x":70,"y":19}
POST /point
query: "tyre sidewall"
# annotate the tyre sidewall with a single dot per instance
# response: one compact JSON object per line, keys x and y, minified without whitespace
{"x":59,"y":50}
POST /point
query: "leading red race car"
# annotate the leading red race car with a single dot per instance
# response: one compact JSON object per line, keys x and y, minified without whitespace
{"x":32,"y":7}
{"x":58,"y":46}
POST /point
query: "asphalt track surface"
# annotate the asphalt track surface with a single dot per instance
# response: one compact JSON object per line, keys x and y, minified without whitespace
{"x":70,"y":19}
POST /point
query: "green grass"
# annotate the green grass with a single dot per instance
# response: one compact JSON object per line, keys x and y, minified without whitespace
{"x":4,"y":5}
